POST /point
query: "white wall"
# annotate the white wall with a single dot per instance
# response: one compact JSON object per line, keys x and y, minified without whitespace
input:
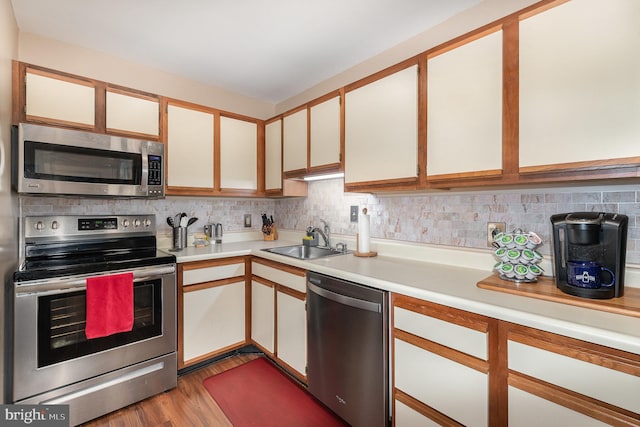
{"x":77,"y":60}
{"x":8,"y":205}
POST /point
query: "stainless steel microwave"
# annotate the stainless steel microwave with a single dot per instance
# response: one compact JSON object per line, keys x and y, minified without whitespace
{"x":50,"y":160}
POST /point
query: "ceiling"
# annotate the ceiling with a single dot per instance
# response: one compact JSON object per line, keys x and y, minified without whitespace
{"x":265,"y":49}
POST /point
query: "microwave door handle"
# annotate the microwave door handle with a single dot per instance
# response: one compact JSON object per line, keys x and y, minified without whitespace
{"x":144,"y":179}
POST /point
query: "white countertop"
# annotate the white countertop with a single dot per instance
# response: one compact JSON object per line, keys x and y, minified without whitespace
{"x":449,"y":285}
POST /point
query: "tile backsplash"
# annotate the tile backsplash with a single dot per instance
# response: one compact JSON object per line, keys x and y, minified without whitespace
{"x":229,"y":212}
{"x":459,"y":218}
{"x":451,"y":218}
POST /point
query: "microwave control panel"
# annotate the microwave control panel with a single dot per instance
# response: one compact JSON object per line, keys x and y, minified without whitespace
{"x":155,"y":170}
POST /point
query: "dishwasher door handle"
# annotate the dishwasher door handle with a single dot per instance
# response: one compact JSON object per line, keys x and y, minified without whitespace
{"x":346,"y":300}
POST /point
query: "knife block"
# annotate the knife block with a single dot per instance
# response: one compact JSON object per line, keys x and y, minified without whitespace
{"x":273,"y":234}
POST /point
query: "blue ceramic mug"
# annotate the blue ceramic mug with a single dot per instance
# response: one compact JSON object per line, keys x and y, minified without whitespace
{"x":587,"y":274}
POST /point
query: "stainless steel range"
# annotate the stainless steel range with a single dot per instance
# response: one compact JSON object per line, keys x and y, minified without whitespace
{"x":53,"y":360}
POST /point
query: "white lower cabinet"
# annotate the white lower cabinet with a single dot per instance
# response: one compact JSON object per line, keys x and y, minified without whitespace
{"x":449,"y":387}
{"x":288,"y":313}
{"x":292,"y":331}
{"x":556,"y":380}
{"x":263,"y":315}
{"x":213,"y":319}
{"x":440,"y":364}
{"x":211,"y":309}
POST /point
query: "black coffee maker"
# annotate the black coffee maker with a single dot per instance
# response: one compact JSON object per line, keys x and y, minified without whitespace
{"x":591,"y":238}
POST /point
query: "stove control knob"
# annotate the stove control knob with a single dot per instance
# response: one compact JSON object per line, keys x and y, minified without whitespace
{"x":147,"y":222}
{"x":125,"y":223}
{"x":39,"y":225}
{"x":54,"y":225}
{"x":136,"y":223}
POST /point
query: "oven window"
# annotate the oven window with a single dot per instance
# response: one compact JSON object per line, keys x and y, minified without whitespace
{"x":61,"y":324}
{"x":80,"y":164}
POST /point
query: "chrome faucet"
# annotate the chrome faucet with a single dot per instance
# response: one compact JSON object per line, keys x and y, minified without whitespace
{"x":326,"y":233}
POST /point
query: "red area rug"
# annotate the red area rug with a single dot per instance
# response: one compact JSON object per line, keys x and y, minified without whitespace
{"x":259,"y":394}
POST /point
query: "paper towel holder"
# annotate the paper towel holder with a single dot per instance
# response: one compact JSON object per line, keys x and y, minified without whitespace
{"x":357,"y":251}
{"x":363,"y":254}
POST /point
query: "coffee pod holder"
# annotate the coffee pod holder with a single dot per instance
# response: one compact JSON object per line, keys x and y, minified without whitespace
{"x":518,"y":256}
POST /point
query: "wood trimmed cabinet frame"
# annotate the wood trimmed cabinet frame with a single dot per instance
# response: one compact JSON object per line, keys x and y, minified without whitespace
{"x":312,"y":167}
{"x":510,"y":173}
{"x":100,"y":89}
{"x":214,"y":188}
{"x":220,"y":283}
{"x":526,"y":371}
{"x":289,"y":303}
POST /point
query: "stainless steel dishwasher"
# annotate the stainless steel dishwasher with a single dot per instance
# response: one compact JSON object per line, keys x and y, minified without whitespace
{"x":348,"y":348}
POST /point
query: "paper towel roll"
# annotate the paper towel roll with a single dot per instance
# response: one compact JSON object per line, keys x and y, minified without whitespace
{"x":364,"y":232}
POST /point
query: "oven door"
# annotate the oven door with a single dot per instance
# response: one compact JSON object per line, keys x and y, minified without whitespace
{"x":50,"y":346}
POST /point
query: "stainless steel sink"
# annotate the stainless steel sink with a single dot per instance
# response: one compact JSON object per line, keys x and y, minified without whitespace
{"x":305,"y":252}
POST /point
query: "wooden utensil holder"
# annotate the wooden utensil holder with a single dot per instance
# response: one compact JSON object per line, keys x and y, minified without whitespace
{"x":273,"y":234}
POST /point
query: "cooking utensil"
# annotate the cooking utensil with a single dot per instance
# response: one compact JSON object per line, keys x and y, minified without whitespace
{"x":170,"y":222}
{"x":191,"y":221}
{"x":183,"y":220}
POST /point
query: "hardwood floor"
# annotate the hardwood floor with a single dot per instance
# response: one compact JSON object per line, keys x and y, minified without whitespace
{"x":189,"y":404}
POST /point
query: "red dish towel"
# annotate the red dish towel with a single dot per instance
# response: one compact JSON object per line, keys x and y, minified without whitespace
{"x":109,"y":305}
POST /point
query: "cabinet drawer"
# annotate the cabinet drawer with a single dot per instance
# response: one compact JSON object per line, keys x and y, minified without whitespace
{"x":407,"y":417}
{"x":290,"y":280}
{"x":453,"y":389}
{"x":529,"y":410}
{"x":209,"y":274}
{"x":608,"y":385}
{"x":458,"y":337}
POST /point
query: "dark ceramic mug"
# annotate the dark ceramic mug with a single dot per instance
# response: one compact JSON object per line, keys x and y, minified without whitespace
{"x":586,"y":274}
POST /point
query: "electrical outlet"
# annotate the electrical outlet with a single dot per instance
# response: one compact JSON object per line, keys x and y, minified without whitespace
{"x":247,"y":220}
{"x":494,"y":228}
{"x":354,"y":214}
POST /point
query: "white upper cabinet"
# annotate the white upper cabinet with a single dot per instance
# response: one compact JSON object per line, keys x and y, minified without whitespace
{"x":464,"y":108}
{"x":131,"y":113}
{"x":273,"y":155}
{"x":295,"y":141}
{"x":60,"y":100}
{"x":381,"y":129}
{"x":238,"y":154}
{"x":325,"y":132}
{"x":190,"y":148}
{"x":580,"y":85}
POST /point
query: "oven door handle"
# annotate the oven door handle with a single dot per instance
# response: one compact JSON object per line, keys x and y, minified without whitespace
{"x":78,"y":283}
